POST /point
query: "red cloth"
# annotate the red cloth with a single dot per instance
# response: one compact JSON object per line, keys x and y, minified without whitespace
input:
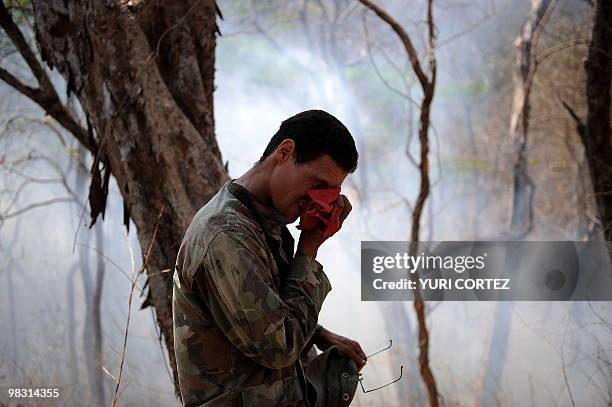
{"x":321,"y":210}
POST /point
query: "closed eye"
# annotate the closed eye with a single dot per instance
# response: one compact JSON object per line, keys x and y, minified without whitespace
{"x":319,"y":183}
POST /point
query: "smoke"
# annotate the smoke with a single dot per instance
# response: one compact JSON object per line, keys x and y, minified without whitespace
{"x":274,"y":60}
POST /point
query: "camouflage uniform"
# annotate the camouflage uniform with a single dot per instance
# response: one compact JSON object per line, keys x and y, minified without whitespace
{"x":244,"y":307}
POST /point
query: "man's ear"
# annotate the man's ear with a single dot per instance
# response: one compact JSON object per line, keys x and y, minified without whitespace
{"x":285,"y":151}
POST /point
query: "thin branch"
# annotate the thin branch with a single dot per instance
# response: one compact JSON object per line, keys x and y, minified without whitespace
{"x":580,"y":126}
{"x":428,"y":87}
{"x":34,"y":206}
{"x":45,"y":96}
{"x":60,"y":180}
{"x":375,"y":65}
{"x":559,"y":47}
{"x":178,"y":23}
{"x":405,"y":39}
{"x":401,"y":72}
{"x":466,"y":30}
{"x":274,"y":44}
{"x":563,"y":365}
{"x":12,"y":80}
{"x":107,"y":258}
{"x":127,"y":323}
{"x":390,"y":87}
{"x":17,"y":38}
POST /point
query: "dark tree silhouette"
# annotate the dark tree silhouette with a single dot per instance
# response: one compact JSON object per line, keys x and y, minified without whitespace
{"x":595,"y":131}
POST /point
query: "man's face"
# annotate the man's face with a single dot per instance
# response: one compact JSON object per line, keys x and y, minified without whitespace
{"x":290,"y":181}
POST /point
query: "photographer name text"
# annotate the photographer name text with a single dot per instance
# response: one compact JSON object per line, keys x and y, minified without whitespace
{"x":403,"y":262}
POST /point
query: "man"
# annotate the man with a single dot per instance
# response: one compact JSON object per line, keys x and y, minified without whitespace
{"x":245,"y":308}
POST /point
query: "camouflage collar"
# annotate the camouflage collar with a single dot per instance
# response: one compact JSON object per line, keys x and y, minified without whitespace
{"x":269,"y":218}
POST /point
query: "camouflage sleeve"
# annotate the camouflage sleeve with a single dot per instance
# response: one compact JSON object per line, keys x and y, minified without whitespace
{"x":267,"y":326}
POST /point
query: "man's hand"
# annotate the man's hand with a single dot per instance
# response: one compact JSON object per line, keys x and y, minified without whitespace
{"x":346,"y":346}
{"x":311,"y":240}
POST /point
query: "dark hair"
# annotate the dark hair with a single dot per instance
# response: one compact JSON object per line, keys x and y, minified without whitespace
{"x":316,"y":133}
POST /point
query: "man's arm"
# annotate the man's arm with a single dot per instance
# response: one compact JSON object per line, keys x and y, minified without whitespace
{"x":270,"y":328}
{"x":309,"y":243}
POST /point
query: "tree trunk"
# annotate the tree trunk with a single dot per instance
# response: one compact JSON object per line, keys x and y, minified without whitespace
{"x":92,"y":343}
{"x":73,"y":364}
{"x":596,"y":136}
{"x":143,"y":73}
{"x":96,"y":316}
{"x":522,"y":189}
{"x":13,"y":349}
{"x":521,"y":221}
